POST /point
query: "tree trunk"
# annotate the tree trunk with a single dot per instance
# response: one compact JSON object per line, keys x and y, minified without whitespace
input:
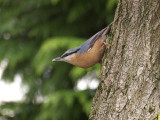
{"x":129,"y":89}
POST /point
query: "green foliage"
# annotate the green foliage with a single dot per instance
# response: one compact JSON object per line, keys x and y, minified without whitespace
{"x":32,"y":33}
{"x":49,"y":50}
{"x":67,"y":102}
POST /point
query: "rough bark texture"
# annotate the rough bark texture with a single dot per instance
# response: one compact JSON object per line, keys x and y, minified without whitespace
{"x":129,"y":89}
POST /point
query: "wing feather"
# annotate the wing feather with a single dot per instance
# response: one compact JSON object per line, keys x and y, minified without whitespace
{"x":86,"y":46}
{"x":90,"y":42}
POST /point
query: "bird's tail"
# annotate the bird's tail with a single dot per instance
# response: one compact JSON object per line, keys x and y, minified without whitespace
{"x":106,"y":30}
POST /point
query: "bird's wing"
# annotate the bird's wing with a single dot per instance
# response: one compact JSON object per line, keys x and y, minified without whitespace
{"x":90,"y":42}
{"x":70,"y":51}
{"x":82,"y":48}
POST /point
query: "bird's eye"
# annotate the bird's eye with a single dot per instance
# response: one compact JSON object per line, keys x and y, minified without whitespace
{"x":65,"y":55}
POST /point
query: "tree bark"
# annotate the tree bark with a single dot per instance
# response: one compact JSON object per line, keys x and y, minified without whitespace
{"x":130,"y":86}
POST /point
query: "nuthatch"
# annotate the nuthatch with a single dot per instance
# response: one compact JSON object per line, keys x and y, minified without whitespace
{"x":89,"y":53}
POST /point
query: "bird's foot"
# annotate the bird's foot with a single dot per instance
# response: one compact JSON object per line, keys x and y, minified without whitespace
{"x":100,"y":75}
{"x":106,"y":44}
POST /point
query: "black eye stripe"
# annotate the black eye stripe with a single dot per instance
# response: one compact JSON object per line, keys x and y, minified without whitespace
{"x":64,"y":55}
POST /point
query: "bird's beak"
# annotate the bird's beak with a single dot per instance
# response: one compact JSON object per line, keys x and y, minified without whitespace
{"x":57,"y":59}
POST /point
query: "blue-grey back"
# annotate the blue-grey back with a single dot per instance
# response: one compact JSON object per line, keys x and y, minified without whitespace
{"x":86,"y":45}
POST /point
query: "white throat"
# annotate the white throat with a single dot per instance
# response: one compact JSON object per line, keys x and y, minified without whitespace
{"x":68,"y":58}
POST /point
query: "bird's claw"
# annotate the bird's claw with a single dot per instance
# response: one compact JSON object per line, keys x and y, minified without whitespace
{"x":106,"y":44}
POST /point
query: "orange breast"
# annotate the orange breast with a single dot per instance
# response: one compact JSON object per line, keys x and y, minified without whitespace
{"x":91,"y":57}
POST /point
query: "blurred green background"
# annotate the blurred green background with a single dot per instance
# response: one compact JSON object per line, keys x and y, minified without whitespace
{"x":32,"y":33}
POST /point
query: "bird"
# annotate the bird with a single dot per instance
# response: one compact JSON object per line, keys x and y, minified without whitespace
{"x":89,"y":53}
